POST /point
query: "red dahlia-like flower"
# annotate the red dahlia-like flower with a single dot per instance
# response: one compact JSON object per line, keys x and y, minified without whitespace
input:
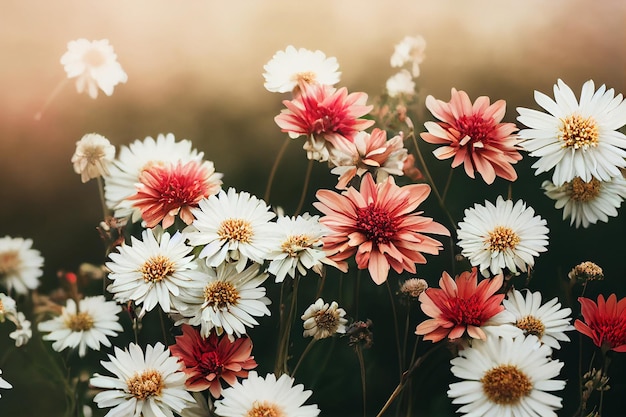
{"x":325,"y":115}
{"x":605,"y":322}
{"x":207,"y":361}
{"x":167,"y":191}
{"x":474,"y":136}
{"x":460,"y":305}
{"x":378,"y":224}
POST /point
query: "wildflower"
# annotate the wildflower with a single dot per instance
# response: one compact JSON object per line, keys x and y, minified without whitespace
{"x":369,"y":152}
{"x":152,"y":270}
{"x":577,"y":139}
{"x":89,"y":325}
{"x":4,"y":384}
{"x":506,"y":376}
{"x":413,"y":287}
{"x":604,"y":322}
{"x":325,"y":116}
{"x":409,"y":50}
{"x":462,"y":305}
{"x":360,"y":334}
{"x":322,"y":320}
{"x":258,"y":396}
{"x":22,"y":333}
{"x":587,"y":202}
{"x":234,"y":227}
{"x":586,"y":271}
{"x":474,"y":135}
{"x":94,"y":65}
{"x":292,"y":66}
{"x":400,"y":83}
{"x":20,"y":265}
{"x":94,"y":153}
{"x":134,"y":159}
{"x":297,"y":246}
{"x":377,"y":224}
{"x":208,"y":361}
{"x":548,"y":322}
{"x":227,"y":301}
{"x":165,"y":192}
{"x":150,"y":385}
{"x":503,"y":235}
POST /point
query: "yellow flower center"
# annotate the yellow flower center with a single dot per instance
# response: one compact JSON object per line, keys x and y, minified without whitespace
{"x":221,"y":294}
{"x":501,"y":238}
{"x":79,"y":322}
{"x":146,"y":384}
{"x":578,"y":133}
{"x":94,"y":58}
{"x":582,"y":191}
{"x":93,"y":154}
{"x":235,"y":229}
{"x":506,"y":385}
{"x":295,"y":244}
{"x":308,"y":77}
{"x":264,"y":409}
{"x":157,"y":268}
{"x":531,"y":325}
{"x":9,"y":262}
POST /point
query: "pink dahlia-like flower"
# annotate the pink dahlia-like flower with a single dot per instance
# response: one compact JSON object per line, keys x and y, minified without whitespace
{"x":474,"y":136}
{"x":461,"y":304}
{"x":166,"y":191}
{"x":325,"y":116}
{"x":211,"y":360}
{"x":605,"y":322}
{"x":378,"y":225}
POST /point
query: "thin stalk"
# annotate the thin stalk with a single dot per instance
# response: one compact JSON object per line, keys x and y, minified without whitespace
{"x":105,"y":209}
{"x":320,"y":285}
{"x":163,"y":327}
{"x":359,"y":354}
{"x":305,"y":186}
{"x":51,"y":97}
{"x":306,"y":350}
{"x":396,"y":329}
{"x":270,"y":180}
{"x":447,"y":186}
{"x":283,"y":349}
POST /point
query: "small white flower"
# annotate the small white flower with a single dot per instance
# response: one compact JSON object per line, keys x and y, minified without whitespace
{"x":409,"y":50}
{"x":258,"y":396}
{"x":322,"y":320}
{"x":150,"y":385}
{"x":288,"y":67}
{"x":94,"y":153}
{"x":89,"y":325}
{"x":23,"y":332}
{"x":8,"y":308}
{"x":587,"y":202}
{"x":4,"y":384}
{"x":20,"y":265}
{"x":400,"y":83}
{"x":503,"y":235}
{"x":548,"y":322}
{"x":577,"y":139}
{"x":94,"y":65}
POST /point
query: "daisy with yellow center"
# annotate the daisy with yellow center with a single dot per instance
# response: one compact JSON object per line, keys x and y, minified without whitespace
{"x":20,"y":265}
{"x":94,"y":153}
{"x":322,"y":320}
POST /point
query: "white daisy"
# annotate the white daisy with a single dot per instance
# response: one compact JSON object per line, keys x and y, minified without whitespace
{"x":20,"y":265}
{"x":400,"y":83}
{"x":296,"y":245}
{"x":409,"y":50}
{"x":576,"y":139}
{"x":234,"y":227}
{"x":148,"y":386}
{"x":152,"y":270}
{"x":258,"y":396}
{"x":506,"y":377}
{"x":89,"y":325}
{"x":322,"y":320}
{"x":503,"y":235}
{"x":137,"y":157}
{"x":548,"y":322}
{"x":94,"y":153}
{"x":8,"y":307}
{"x":288,"y":67}
{"x":4,"y":384}
{"x":94,"y":65}
{"x":587,"y":202}
{"x":228,"y":300}
{"x":22,"y":333}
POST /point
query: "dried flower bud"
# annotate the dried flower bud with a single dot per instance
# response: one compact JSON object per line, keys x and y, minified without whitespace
{"x":359,"y":333}
{"x":584,"y":272}
{"x":413,"y":287}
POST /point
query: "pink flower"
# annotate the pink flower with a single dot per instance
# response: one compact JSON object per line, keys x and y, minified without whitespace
{"x":377,"y":224}
{"x":605,"y":323}
{"x":170,"y":190}
{"x":460,"y":305}
{"x":207,"y":361}
{"x":474,"y":136}
{"x":325,"y":116}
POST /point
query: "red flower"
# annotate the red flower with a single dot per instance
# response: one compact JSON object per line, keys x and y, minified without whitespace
{"x":207,"y":361}
{"x":459,"y":305}
{"x":474,"y":136}
{"x":605,"y":323}
{"x":378,"y":225}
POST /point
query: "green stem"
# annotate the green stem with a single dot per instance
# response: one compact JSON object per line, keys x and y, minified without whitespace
{"x":306,"y":350}
{"x":305,"y":186}
{"x":396,"y":329}
{"x":447,"y":186}
{"x":359,"y":354}
{"x":283,"y":349}
{"x":270,"y":180}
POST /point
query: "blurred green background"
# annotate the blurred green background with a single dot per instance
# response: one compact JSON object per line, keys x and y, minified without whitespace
{"x":195,"y":69}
